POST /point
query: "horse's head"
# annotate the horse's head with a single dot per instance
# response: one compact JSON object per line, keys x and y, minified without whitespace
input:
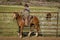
{"x":15,"y":15}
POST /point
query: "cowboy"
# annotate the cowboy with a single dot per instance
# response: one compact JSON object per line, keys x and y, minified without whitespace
{"x":26,"y":13}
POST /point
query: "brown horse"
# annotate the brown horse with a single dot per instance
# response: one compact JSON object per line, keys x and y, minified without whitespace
{"x":33,"y":23}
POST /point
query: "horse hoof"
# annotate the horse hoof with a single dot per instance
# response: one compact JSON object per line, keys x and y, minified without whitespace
{"x":28,"y":35}
{"x":36,"y":35}
{"x":20,"y":36}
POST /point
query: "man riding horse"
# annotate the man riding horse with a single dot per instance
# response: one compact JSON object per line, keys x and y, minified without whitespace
{"x":26,"y":20}
{"x":26,"y":13}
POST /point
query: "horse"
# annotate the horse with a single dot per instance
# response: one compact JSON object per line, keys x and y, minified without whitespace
{"x":33,"y":23}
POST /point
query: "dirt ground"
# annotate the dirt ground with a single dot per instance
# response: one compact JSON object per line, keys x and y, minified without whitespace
{"x":30,"y":38}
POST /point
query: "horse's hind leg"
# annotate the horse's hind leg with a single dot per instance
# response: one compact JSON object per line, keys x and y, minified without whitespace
{"x":36,"y":33}
{"x":37,"y":30}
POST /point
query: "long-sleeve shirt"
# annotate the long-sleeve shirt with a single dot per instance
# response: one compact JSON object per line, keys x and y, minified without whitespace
{"x":26,"y":12}
{"x":27,"y":9}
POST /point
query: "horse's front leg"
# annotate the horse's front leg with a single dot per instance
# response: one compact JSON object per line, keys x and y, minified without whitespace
{"x":20,"y":32}
{"x":29,"y":33}
{"x":31,"y":30}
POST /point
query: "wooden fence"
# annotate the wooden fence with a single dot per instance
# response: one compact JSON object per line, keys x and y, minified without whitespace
{"x":9,"y":27}
{"x":49,"y":27}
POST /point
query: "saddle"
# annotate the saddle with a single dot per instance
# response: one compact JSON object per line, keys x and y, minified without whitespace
{"x":27,"y":19}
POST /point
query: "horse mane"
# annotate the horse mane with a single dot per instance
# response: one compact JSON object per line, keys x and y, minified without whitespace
{"x":17,"y":15}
